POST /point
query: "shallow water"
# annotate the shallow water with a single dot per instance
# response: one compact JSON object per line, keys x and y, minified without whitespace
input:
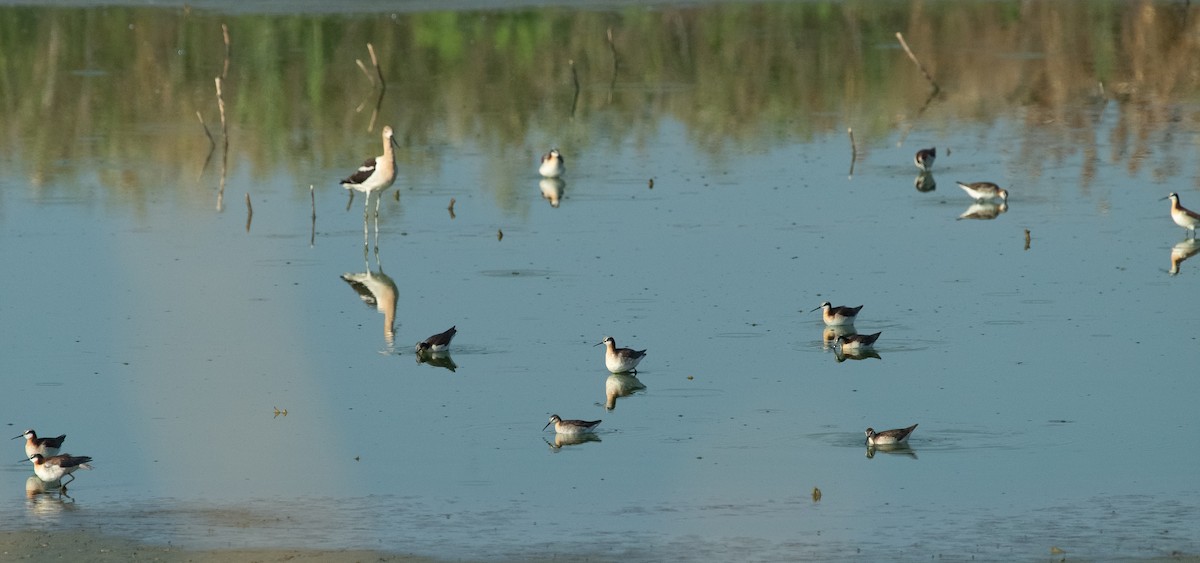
{"x":235,"y":391}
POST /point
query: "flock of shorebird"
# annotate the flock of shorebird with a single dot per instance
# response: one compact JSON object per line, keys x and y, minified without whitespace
{"x":379,"y":173}
{"x":48,"y":464}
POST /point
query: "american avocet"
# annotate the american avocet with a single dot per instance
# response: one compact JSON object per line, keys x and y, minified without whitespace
{"x":924,"y":158}
{"x":855,"y":342}
{"x":53,"y":468}
{"x":886,"y":437}
{"x":553,"y":164}
{"x":376,"y":174}
{"x":45,"y":446}
{"x":838,"y":316}
{"x":377,"y":290}
{"x":438,"y":342}
{"x":620,"y":360}
{"x":1183,"y":216}
{"x":980,"y":191}
{"x":571,"y":426}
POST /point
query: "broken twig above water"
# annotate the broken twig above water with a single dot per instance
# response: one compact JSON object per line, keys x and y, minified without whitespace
{"x":920,"y":66}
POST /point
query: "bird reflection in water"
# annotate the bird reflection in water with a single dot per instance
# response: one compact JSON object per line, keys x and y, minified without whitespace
{"x":561,"y":440}
{"x":45,"y":500}
{"x":620,"y":385}
{"x":835,"y":336}
{"x":901,"y":449}
{"x":984,"y":210}
{"x":378,"y":291}
{"x":924,"y":182}
{"x":1183,"y":250}
{"x":552,"y":189}
{"x":439,"y":359}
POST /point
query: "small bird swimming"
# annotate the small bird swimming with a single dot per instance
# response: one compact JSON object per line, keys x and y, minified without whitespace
{"x":886,"y":437}
{"x":45,"y":446}
{"x":620,"y":360}
{"x":1183,"y":216}
{"x":553,"y":164}
{"x":571,"y":426}
{"x":838,"y":316}
{"x":438,"y":342}
{"x":851,"y":342}
{"x":924,"y":158}
{"x":980,"y":191}
{"x":53,"y":468}
{"x":376,"y":174}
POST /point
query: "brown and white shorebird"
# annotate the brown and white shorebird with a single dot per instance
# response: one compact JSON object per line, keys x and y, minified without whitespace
{"x":1183,"y":216}
{"x":571,"y":426}
{"x":553,"y":164}
{"x":376,"y":174}
{"x":980,"y":191}
{"x":924,"y":158}
{"x":53,"y":468}
{"x":838,"y":316}
{"x":45,"y":446}
{"x":853,"y":342}
{"x":438,"y":342}
{"x":620,"y":360}
{"x":888,"y":437}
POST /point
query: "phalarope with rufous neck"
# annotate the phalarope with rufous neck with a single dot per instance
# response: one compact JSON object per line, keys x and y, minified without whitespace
{"x":53,"y":468}
{"x":571,"y":426}
{"x":553,"y":164}
{"x":838,"y":316}
{"x":924,"y":158}
{"x":46,"y":446}
{"x":980,"y":191}
{"x":1183,"y":216}
{"x":620,"y":360}
{"x":886,"y":437}
{"x":438,"y":342}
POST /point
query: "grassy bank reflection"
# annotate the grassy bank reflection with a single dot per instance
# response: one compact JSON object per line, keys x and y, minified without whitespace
{"x":111,"y":90}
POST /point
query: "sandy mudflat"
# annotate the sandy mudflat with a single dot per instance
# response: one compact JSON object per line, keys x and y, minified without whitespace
{"x":83,"y":546}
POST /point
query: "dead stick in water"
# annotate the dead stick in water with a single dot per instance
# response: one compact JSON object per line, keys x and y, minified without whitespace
{"x":224,"y":145}
{"x":312,"y":239}
{"x":575,"y":79}
{"x":451,"y":208}
{"x":249,"y":212}
{"x":853,"y":150}
{"x":920,"y":66}
{"x":211,"y":141}
{"x":379,"y":71}
{"x":225,"y":33}
{"x":365,"y":72}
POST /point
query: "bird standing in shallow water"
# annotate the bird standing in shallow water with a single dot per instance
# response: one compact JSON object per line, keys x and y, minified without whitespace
{"x":571,"y":426}
{"x":620,"y":360}
{"x":376,"y":174}
{"x":45,"y":446}
{"x":838,"y":316}
{"x":438,"y":342}
{"x":924,"y":158}
{"x":1183,"y":216}
{"x":553,"y":164}
{"x":886,"y":437}
{"x":53,"y":468}
{"x":980,"y":191}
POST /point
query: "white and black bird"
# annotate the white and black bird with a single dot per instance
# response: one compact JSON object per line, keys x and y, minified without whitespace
{"x":376,"y":174}
{"x":888,"y":437}
{"x":439,"y":342}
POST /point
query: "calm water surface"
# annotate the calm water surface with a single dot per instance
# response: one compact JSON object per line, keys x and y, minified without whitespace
{"x":1053,"y":380}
